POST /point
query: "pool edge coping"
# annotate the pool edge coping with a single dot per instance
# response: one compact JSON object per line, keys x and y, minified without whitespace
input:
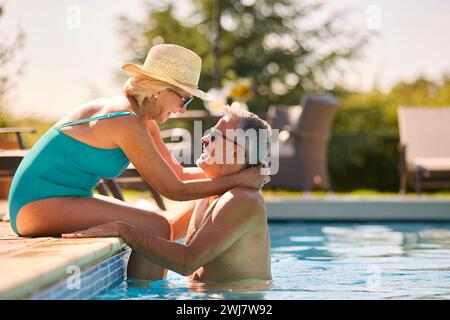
{"x":40,"y":266}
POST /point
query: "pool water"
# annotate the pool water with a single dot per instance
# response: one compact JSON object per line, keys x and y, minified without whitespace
{"x":334,"y":261}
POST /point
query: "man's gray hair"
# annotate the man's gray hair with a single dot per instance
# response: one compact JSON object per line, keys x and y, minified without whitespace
{"x":256,"y":150}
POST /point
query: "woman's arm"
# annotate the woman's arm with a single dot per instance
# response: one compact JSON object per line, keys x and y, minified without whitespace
{"x":182,"y":173}
{"x":193,"y":173}
{"x":134,"y":140}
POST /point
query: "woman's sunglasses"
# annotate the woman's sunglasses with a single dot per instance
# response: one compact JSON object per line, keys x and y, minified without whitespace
{"x":185,"y":101}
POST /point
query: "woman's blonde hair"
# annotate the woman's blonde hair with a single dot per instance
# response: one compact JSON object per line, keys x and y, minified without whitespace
{"x":141,"y":87}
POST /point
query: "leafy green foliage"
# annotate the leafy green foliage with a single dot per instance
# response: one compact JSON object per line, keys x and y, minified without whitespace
{"x":269,"y":41}
{"x":9,"y":47}
{"x":363,"y":151}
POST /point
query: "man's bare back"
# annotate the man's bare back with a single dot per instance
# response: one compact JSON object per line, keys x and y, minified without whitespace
{"x":248,"y":257}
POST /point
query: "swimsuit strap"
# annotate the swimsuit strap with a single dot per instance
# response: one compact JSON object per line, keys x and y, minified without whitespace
{"x":109,"y":115}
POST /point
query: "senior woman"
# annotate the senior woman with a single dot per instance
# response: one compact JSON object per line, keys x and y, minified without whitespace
{"x":52,"y":190}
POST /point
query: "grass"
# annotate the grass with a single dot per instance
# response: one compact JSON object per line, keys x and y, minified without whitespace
{"x":134,"y":195}
{"x":30,"y":139}
{"x":355,"y":193}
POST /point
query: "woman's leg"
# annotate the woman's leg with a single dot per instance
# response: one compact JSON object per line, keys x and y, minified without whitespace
{"x":54,"y":216}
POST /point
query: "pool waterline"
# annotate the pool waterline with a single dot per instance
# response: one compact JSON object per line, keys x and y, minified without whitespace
{"x":313,"y":260}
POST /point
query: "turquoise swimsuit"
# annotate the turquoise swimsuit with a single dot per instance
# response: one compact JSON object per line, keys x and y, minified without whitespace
{"x":61,"y":166}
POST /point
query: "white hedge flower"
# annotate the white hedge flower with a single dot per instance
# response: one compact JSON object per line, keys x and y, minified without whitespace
{"x":218,"y":101}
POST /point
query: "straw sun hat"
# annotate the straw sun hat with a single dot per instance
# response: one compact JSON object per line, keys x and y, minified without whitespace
{"x":173,"y":64}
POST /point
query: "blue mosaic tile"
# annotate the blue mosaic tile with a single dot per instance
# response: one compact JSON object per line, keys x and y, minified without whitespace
{"x":93,"y":281}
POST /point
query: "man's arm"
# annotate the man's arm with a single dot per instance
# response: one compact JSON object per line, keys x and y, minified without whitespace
{"x":232,"y":217}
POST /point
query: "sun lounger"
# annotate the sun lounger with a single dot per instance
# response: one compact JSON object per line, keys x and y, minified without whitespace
{"x":424,"y":147}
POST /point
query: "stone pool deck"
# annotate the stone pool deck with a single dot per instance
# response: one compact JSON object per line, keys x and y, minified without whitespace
{"x":28,"y":265}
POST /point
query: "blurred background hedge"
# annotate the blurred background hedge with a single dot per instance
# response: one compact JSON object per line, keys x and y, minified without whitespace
{"x":269,"y":43}
{"x":363,"y":151}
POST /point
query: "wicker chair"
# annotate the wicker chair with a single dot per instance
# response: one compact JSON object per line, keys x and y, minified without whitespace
{"x":302,"y":143}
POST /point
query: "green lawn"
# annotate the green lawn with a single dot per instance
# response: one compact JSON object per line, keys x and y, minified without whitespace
{"x":356,"y":192}
{"x":30,"y":138}
{"x":133,"y":195}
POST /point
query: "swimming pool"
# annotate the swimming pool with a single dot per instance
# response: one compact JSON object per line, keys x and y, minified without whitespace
{"x":334,"y":261}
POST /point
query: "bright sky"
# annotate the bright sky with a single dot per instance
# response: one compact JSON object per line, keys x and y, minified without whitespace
{"x":67,"y":66}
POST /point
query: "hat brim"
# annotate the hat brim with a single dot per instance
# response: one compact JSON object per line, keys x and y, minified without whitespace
{"x":135,"y":69}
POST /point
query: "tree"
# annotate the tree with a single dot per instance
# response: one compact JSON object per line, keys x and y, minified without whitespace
{"x":272,"y":42}
{"x":9,"y":46}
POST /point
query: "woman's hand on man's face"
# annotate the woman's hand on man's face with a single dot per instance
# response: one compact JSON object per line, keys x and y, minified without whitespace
{"x":253,"y":178}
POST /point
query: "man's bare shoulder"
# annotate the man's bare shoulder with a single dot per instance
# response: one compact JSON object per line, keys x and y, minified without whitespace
{"x":254,"y":196}
{"x":246,"y":201}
